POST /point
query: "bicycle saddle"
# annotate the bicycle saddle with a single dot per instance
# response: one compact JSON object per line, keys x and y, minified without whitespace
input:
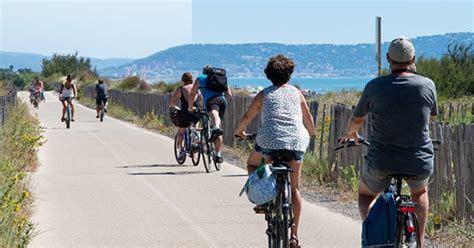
{"x":282,"y":155}
{"x":402,"y":176}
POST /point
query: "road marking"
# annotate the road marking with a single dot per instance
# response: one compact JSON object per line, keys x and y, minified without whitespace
{"x":210,"y":242}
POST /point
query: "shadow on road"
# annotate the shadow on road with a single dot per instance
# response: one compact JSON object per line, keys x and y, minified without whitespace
{"x":152,"y":165}
{"x":169,"y":173}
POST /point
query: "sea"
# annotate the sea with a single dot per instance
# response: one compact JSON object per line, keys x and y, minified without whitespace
{"x":313,"y":85}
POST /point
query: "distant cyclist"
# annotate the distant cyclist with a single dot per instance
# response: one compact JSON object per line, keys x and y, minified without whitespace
{"x":215,"y":103}
{"x":37,"y":86}
{"x":400,"y":105}
{"x":101,"y":96}
{"x":67,"y":92}
{"x":287,"y":124}
{"x":183,"y":117}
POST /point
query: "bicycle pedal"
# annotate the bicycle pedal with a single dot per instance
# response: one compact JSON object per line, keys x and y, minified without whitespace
{"x":260,"y":209}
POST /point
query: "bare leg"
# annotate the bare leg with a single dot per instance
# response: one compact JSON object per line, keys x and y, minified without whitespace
{"x":420,"y":196}
{"x":64,"y":109}
{"x":218,"y":143}
{"x":253,"y":161}
{"x":216,"y":120}
{"x":295,"y":194}
{"x":181,"y":131}
{"x":366,"y":199}
{"x":72,"y":110}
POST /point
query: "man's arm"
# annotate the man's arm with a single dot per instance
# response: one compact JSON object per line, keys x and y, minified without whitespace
{"x":352,"y":133}
{"x":74,"y":90}
{"x":253,"y":111}
{"x":192,"y":94}
{"x":229,"y":93}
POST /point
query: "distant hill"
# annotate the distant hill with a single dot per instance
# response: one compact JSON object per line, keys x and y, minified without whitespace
{"x":33,"y":61}
{"x":248,"y":60}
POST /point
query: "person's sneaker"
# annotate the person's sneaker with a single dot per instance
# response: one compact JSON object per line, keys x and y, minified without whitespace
{"x":182,"y":153}
{"x":216,"y":132}
{"x":62,"y":119}
{"x":72,"y":119}
{"x":219,"y":159}
{"x":105,"y":110}
{"x":96,"y":116}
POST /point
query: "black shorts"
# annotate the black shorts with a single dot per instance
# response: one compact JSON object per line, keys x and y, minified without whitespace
{"x":183,"y":118}
{"x":98,"y":101}
{"x":217,"y":103}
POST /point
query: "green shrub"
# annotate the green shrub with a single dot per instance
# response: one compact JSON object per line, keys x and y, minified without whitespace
{"x":19,"y":139}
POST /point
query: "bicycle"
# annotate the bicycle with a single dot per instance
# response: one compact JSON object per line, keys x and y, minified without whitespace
{"x":278,"y":212}
{"x":407,"y":233}
{"x":67,"y":118}
{"x":36,"y":99}
{"x":207,"y":147}
{"x":192,"y":146}
{"x":101,"y":110}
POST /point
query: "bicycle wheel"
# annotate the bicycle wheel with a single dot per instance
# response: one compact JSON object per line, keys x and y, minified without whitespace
{"x":195,"y":148}
{"x":205,"y":151}
{"x":101,"y":113}
{"x":68,"y":117}
{"x":285,"y":221}
{"x":177,"y":151}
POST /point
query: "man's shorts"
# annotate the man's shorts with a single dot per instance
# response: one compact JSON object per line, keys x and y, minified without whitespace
{"x":99,"y":100}
{"x":297,"y":155}
{"x":377,"y":179}
{"x":217,"y":103}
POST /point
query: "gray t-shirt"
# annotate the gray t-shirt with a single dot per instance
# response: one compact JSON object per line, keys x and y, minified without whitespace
{"x":101,"y":90}
{"x":400,"y":107}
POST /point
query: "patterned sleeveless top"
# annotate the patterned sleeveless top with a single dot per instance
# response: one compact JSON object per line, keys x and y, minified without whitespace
{"x":282,"y":120}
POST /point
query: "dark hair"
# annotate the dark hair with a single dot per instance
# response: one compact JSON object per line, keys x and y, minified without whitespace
{"x":101,"y":81}
{"x":68,"y":77}
{"x":206,"y":69}
{"x":187,"y":78}
{"x":279,"y":69}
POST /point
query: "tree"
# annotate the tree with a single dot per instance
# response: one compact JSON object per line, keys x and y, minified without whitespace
{"x":67,"y":64}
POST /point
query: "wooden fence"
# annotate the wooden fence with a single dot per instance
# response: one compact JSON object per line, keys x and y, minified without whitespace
{"x":7,"y":102}
{"x":143,"y":103}
{"x":453,"y":172}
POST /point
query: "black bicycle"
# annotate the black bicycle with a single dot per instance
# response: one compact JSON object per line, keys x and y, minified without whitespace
{"x":208,"y":149}
{"x":101,"y":110}
{"x":278,"y":212}
{"x":407,"y":230}
{"x":68,"y":116}
{"x":191,"y":148}
{"x":36,"y":99}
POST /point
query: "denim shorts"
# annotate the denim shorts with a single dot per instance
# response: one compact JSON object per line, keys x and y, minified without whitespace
{"x":297,"y":155}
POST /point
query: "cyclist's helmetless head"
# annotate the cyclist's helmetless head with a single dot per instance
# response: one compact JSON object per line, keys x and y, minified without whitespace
{"x":279,"y":69}
{"x":401,"y":51}
{"x":206,"y":69}
{"x":187,"y":78}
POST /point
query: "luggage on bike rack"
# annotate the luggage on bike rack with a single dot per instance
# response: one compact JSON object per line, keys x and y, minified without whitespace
{"x":261,"y":185}
{"x":379,"y":228}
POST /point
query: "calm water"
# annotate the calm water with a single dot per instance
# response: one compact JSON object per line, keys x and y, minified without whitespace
{"x":320,"y":85}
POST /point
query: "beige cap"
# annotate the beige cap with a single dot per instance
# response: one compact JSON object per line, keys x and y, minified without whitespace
{"x":401,"y":50}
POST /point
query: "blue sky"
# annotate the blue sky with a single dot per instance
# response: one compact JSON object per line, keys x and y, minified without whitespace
{"x":127,"y":28}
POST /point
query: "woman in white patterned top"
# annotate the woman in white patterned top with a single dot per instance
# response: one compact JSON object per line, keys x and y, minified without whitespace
{"x":287,"y":124}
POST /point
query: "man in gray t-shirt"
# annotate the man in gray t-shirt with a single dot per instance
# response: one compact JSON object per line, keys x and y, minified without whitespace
{"x":400,"y":105}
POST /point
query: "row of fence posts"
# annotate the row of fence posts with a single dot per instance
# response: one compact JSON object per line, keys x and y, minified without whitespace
{"x":7,"y":104}
{"x":453,"y":172}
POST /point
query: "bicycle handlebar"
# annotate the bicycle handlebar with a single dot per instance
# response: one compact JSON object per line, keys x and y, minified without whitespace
{"x":247,"y":137}
{"x":351,"y":143}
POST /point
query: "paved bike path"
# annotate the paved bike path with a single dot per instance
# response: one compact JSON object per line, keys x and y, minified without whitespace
{"x":113,"y":184}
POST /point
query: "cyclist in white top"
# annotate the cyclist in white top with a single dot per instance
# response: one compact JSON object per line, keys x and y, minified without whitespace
{"x":66,"y":93}
{"x":287,"y":125}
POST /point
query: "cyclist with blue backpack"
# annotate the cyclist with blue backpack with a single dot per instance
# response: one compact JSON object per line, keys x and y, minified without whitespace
{"x":213,"y":87}
{"x":401,"y":105}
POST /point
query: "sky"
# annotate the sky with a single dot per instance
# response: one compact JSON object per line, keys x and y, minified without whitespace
{"x":135,"y":29}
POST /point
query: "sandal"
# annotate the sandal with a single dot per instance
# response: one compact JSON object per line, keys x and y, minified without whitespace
{"x":294,"y":242}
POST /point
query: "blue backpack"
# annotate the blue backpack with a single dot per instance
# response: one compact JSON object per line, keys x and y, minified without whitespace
{"x":379,"y":227}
